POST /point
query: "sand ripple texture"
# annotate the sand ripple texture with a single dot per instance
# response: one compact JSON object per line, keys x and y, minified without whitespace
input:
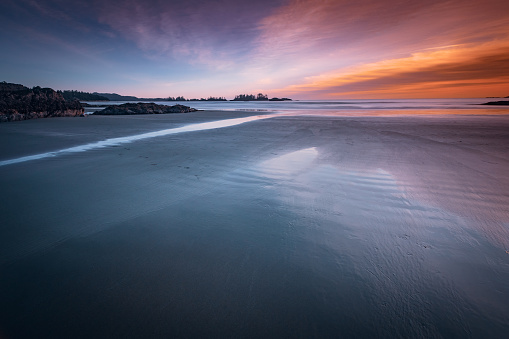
{"x":293,"y":226}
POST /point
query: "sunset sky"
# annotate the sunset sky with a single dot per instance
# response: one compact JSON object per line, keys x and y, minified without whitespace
{"x":303,"y":49}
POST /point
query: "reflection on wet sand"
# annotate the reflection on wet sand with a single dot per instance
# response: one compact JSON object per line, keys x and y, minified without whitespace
{"x":294,"y":226}
{"x":128,"y":139}
{"x":402,"y":245}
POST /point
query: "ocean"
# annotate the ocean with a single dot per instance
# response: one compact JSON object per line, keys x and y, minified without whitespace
{"x":344,"y":107}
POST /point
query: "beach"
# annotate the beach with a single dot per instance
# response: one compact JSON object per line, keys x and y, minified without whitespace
{"x":283,"y":225}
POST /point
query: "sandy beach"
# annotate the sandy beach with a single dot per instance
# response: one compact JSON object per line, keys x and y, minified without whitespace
{"x":287,"y":226}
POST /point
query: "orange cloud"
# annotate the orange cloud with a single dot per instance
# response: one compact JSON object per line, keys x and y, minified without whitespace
{"x":453,"y":71}
{"x":343,"y":48}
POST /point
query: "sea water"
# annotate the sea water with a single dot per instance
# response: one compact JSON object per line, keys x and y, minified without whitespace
{"x":343,"y":107}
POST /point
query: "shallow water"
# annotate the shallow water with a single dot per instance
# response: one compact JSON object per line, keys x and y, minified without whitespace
{"x":132,"y":138}
{"x":349,"y":107}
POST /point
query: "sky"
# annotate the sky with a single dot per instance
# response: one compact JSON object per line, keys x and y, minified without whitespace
{"x":302,"y":49}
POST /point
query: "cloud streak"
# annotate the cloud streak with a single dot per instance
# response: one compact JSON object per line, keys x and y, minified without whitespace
{"x":380,"y":49}
{"x":420,"y":75}
{"x":212,"y":33}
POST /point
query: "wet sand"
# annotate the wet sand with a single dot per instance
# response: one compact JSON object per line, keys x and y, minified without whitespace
{"x":291,"y":226}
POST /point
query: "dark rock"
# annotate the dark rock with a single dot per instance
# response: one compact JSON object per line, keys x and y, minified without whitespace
{"x":18,"y":102}
{"x":143,"y":108}
{"x":280,"y":99}
{"x":497,"y":103}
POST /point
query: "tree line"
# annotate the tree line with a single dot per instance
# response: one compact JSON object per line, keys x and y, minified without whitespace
{"x":258,"y":97}
{"x":71,"y":95}
{"x":181,"y":98}
{"x":240,"y":97}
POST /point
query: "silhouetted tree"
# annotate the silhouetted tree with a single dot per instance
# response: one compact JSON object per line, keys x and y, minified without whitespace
{"x":83,"y":96}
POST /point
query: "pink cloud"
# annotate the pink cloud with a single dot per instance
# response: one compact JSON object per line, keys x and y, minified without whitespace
{"x":213,"y":33}
{"x":455,"y":70}
{"x":324,"y":40}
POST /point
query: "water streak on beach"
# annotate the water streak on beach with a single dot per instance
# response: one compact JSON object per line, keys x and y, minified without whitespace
{"x":129,"y":139}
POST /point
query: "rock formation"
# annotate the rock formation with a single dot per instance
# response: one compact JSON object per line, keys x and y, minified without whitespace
{"x":143,"y":108}
{"x":18,"y":102}
{"x":497,"y":103}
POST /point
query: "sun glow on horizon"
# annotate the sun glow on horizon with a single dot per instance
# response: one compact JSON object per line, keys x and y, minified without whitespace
{"x":445,"y":71}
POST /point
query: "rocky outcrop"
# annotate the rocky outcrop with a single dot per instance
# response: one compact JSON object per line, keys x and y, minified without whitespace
{"x":18,"y":102}
{"x":497,"y":103}
{"x":143,"y":108}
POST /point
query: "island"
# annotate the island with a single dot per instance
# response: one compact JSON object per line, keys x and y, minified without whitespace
{"x":95,"y":96}
{"x":118,"y":97}
{"x":258,"y":97}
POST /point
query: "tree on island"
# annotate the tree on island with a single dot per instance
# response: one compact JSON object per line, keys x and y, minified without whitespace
{"x":251,"y":97}
{"x":259,"y":97}
{"x":215,"y":99}
{"x":82,"y":96}
{"x":181,"y":98}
